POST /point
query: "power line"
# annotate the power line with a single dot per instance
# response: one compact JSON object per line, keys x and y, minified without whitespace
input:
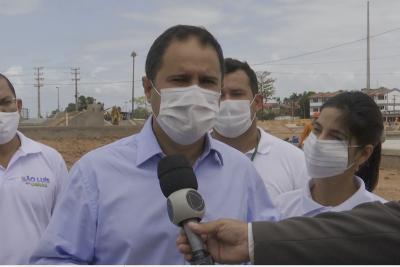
{"x":81,"y":83}
{"x":333,"y":61}
{"x":325,"y":49}
{"x":336,"y":73}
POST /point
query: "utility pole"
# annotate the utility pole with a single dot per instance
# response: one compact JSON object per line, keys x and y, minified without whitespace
{"x":58,"y":98}
{"x":292,"y":109}
{"x":387,"y":107}
{"x":38,"y":78}
{"x":133,"y":55}
{"x":75,"y":72}
{"x":368,"y":52}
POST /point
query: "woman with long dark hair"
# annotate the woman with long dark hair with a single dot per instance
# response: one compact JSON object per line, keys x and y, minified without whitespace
{"x":343,"y":155}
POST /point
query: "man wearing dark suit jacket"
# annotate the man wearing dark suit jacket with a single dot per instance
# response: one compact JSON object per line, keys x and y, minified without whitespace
{"x":368,"y":234}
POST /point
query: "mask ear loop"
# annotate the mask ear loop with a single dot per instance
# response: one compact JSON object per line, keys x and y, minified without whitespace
{"x":255,"y":113}
{"x":152,"y":85}
{"x":348,"y":152}
{"x":155,"y":89}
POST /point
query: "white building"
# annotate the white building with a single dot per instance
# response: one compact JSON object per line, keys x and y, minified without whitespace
{"x":388,"y":101}
{"x":317,"y":100}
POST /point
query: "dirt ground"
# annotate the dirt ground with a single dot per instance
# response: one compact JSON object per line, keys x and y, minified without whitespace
{"x":73,"y":148}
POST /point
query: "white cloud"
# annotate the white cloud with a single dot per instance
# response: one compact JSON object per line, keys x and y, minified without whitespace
{"x":110,"y":45}
{"x":18,"y":7}
{"x":15,"y":75}
{"x":173,"y":15}
{"x":14,"y":70}
{"x":98,"y":70}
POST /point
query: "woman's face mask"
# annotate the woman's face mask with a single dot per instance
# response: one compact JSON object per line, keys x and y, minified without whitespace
{"x":326,"y":158}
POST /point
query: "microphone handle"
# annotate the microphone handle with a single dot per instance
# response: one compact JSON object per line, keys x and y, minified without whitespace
{"x":199,"y":255}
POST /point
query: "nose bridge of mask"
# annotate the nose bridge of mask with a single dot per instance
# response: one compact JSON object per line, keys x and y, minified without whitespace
{"x":237,"y":108}
{"x":187,"y":96}
{"x":187,"y":113}
{"x":233,"y":106}
{"x":326,"y":150}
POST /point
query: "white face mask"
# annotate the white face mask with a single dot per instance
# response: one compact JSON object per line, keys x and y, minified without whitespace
{"x":8,"y":126}
{"x":234,"y":118}
{"x":187,"y":113}
{"x":326,"y":158}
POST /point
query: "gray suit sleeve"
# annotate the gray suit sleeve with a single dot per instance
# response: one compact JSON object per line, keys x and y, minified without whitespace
{"x":368,"y":234}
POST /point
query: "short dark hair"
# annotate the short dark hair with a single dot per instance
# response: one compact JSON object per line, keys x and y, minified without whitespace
{"x":232,"y":65}
{"x":363,"y":120}
{"x":9,"y":84}
{"x":181,"y":33}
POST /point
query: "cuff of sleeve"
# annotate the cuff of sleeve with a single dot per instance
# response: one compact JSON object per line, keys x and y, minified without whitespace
{"x":251,"y":242}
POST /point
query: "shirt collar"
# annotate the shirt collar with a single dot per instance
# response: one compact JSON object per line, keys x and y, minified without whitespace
{"x":211,"y":149}
{"x":357,"y":198}
{"x":307,"y":201}
{"x":148,"y":146}
{"x":309,"y":204}
{"x":28,"y":146}
{"x":264,"y":145}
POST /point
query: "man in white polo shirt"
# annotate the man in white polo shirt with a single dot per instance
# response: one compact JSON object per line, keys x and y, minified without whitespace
{"x":280,"y":164}
{"x":31,"y":175}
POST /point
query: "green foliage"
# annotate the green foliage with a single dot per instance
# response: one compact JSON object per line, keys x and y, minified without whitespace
{"x":265,"y":84}
{"x":141,"y":113}
{"x":83,"y":103}
{"x":303,"y":100}
{"x":266,"y":115}
{"x":140,"y":101}
{"x":70,"y":107}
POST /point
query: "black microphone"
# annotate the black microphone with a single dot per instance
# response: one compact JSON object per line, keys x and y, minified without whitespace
{"x":179,"y":184}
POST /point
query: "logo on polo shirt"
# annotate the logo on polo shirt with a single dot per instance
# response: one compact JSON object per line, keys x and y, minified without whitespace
{"x":36,"y":181}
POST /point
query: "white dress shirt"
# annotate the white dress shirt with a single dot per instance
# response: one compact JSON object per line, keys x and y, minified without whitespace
{"x":300,"y":203}
{"x":280,"y":164}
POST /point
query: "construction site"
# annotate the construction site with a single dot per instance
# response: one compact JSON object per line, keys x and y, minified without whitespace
{"x":74,"y":134}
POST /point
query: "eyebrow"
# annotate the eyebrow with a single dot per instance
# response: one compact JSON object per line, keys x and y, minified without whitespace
{"x":209,"y":77}
{"x":334,"y":131}
{"x":183,"y":75}
{"x":236,"y":90}
{"x":9,"y":97}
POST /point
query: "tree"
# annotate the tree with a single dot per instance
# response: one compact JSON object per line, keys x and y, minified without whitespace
{"x":302,"y":100}
{"x":140,"y":102}
{"x":265,"y":85}
{"x":70,"y":107}
{"x":83,"y":103}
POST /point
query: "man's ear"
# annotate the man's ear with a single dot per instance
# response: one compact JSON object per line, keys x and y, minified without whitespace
{"x":147,"y":86}
{"x":19,"y":105}
{"x":258,"y":102}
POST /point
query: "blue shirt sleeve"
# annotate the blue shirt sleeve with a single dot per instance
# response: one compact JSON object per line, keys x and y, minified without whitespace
{"x":260,"y":206}
{"x":70,"y":235}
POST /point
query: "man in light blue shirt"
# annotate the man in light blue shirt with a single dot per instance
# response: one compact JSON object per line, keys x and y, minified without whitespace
{"x":112,"y":210}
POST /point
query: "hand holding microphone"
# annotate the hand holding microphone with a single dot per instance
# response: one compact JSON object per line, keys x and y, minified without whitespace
{"x":179,"y":184}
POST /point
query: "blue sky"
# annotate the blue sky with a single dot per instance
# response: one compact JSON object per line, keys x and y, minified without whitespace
{"x":98,"y":36}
